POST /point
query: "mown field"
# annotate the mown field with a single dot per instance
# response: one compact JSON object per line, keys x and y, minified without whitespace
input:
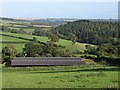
{"x":16,"y":38}
{"x":84,"y":76}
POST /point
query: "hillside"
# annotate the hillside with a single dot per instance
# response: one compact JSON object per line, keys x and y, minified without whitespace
{"x":19,"y":40}
{"x":18,"y":31}
{"x":89,"y":31}
{"x":30,"y":26}
{"x":54,"y":21}
{"x":73,"y":36}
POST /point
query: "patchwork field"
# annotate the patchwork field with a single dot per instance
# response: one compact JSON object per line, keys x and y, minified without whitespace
{"x":25,"y":25}
{"x":61,"y":77}
{"x":12,"y":37}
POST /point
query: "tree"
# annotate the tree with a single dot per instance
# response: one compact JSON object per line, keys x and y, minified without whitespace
{"x":5,"y":28}
{"x":8,"y":53}
{"x":90,"y":49}
{"x":49,"y":49}
{"x":52,"y":37}
{"x":20,"y":54}
{"x":72,"y":37}
{"x":40,"y":32}
{"x":32,"y":49}
{"x":35,"y":39}
{"x":118,"y":49}
{"x":106,"y":50}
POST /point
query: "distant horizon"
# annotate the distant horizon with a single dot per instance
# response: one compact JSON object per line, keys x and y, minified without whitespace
{"x":33,"y":18}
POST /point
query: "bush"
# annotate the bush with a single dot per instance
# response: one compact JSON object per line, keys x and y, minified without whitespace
{"x":89,"y":62}
{"x":103,"y":62}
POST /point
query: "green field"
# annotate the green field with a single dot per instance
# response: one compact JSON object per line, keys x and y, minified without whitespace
{"x":6,"y":38}
{"x":23,"y":24}
{"x":61,"y":77}
{"x":11,"y":22}
{"x":68,"y":44}
{"x":40,"y":38}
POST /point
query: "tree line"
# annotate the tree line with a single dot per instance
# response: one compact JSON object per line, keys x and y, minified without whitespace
{"x":7,"y":29}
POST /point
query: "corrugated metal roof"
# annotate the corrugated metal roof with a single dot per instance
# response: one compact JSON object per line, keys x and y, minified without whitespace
{"x":43,"y":61}
{"x":47,"y":58}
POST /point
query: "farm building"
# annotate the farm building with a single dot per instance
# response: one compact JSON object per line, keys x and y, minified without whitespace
{"x":46,"y":61}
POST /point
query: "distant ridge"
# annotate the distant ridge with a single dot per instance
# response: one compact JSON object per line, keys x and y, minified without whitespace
{"x":30,"y":18}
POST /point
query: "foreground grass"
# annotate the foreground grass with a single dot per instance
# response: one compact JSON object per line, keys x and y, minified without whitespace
{"x":61,"y":77}
{"x":0,"y":77}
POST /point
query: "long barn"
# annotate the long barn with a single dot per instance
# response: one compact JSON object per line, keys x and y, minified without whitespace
{"x":46,"y":61}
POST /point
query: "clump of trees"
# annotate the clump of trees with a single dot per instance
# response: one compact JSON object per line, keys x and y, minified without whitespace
{"x":7,"y":29}
{"x":104,"y":50}
{"x":53,"y":38}
{"x":40,"y":32}
{"x":47,"y":50}
{"x":35,"y":39}
{"x":72,"y":37}
{"x":8,"y":53}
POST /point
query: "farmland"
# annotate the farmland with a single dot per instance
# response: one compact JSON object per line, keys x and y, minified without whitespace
{"x":86,"y":76}
{"x":98,"y":74}
{"x":16,"y":38}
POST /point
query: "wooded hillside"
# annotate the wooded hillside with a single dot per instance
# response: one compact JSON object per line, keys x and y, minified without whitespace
{"x":89,"y":31}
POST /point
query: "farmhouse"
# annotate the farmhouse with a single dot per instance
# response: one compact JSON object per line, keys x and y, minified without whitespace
{"x":46,"y":61}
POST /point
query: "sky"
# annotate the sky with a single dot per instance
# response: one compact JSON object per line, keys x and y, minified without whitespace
{"x":82,"y":10}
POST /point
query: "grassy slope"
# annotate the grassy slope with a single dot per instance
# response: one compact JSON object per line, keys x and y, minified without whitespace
{"x":57,"y":77}
{"x":67,"y":43}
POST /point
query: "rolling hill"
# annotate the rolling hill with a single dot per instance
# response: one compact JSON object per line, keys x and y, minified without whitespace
{"x":19,"y":40}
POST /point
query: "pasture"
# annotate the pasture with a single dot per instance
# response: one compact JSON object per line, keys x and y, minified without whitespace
{"x":23,"y":38}
{"x":84,"y":76}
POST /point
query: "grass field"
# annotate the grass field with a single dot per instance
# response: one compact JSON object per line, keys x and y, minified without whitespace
{"x":68,"y":44}
{"x":6,"y":38}
{"x":40,"y":38}
{"x":24,"y":24}
{"x":9,"y":22}
{"x":61,"y":77}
